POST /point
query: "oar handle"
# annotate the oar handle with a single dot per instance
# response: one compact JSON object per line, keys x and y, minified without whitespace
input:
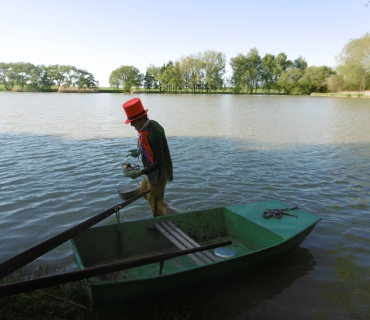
{"x":9,"y":266}
{"x":35,"y":284}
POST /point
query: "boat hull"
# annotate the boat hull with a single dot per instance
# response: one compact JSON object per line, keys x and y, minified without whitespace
{"x":242,"y":224}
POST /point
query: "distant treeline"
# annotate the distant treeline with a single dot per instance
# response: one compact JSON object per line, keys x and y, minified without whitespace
{"x":206,"y":72}
{"x":26,"y":76}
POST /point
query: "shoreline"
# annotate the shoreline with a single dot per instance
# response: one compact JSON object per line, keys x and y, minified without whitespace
{"x":344,"y":94}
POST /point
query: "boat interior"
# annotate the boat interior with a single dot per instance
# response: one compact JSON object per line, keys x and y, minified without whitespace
{"x":142,"y":238}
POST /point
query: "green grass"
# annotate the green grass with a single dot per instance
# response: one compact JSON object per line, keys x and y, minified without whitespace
{"x":340,"y":95}
{"x":60,"y":302}
{"x":69,"y":302}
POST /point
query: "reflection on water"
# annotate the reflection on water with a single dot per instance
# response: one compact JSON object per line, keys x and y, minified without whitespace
{"x":278,"y":120}
{"x":60,"y":164}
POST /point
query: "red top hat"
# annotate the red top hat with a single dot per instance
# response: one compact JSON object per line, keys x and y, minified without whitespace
{"x":134,"y":109}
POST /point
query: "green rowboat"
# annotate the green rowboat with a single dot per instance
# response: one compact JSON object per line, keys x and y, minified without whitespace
{"x":255,"y":241}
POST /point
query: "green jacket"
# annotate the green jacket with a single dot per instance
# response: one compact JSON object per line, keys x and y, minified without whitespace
{"x":162,"y":165}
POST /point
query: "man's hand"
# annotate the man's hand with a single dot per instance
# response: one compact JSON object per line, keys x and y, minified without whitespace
{"x":134,"y":174}
{"x":133,"y":153}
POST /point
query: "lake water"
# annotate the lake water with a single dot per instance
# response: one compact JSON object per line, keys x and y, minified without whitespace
{"x":60,"y":164}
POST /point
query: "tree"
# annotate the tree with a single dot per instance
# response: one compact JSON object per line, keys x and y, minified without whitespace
{"x":315,"y":79}
{"x":335,"y":83}
{"x":192,"y":71}
{"x":22,"y":71}
{"x":214,"y":66}
{"x":300,"y":63}
{"x":70,"y":76}
{"x":115,"y":80}
{"x":46,"y":79}
{"x":172,"y":78}
{"x":252,"y":75}
{"x":267,"y":71}
{"x":150,"y":81}
{"x":238,"y":66}
{"x":164,"y":76}
{"x":288,"y":81}
{"x":353,"y":63}
{"x":281,"y":64}
{"x":127,"y":77}
{"x":35,"y":74}
{"x":57,"y":73}
{"x":85,"y":79}
{"x":7,"y":75}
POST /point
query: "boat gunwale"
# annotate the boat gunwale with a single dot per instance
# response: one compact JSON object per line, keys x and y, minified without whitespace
{"x":232,"y":259}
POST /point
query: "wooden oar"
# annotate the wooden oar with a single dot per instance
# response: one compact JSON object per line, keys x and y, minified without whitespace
{"x":35,"y":284}
{"x":9,"y":266}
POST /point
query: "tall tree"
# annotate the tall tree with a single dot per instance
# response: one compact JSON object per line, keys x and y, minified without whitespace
{"x":252,"y":76}
{"x":7,"y":75}
{"x":335,"y":83}
{"x":267,"y":71}
{"x":300,"y":63}
{"x":192,"y":69}
{"x":23,"y":71}
{"x":127,"y":77}
{"x":85,"y":79}
{"x":115,"y":79}
{"x":172,"y":78}
{"x":214,"y":66}
{"x":281,"y":64}
{"x":46,"y":80}
{"x":57,"y":73}
{"x":288,"y":80}
{"x":315,"y":79}
{"x":354,"y":63}
{"x":35,"y":75}
{"x":150,"y":81}
{"x":238,"y":67}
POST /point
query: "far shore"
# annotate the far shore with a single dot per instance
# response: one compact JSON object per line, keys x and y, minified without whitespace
{"x":343,"y":94}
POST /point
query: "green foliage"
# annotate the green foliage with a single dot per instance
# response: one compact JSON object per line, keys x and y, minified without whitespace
{"x":40,"y":77}
{"x":353,"y":65}
{"x":288,"y":81}
{"x":125,"y":77}
{"x":252,"y":75}
{"x":267,"y":71}
{"x":214,"y":69}
{"x":300,"y":63}
{"x":7,"y":75}
{"x":315,"y":79}
{"x":150,"y":81}
{"x":239,"y":67}
{"x":193,"y":72}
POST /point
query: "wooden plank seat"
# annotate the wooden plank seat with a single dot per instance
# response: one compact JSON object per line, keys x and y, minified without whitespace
{"x":182,"y":241}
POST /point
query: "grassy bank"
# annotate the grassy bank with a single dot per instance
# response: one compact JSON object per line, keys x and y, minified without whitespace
{"x":341,"y":95}
{"x":60,"y":302}
{"x":137,"y":90}
{"x":352,"y":94}
{"x":69,"y":302}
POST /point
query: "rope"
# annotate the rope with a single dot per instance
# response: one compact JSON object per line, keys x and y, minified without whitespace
{"x":277,"y":213}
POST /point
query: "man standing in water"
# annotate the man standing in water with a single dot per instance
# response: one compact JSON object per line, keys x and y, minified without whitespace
{"x":155,"y":155}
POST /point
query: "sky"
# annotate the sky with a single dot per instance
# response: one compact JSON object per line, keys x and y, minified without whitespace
{"x":100,"y":36}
